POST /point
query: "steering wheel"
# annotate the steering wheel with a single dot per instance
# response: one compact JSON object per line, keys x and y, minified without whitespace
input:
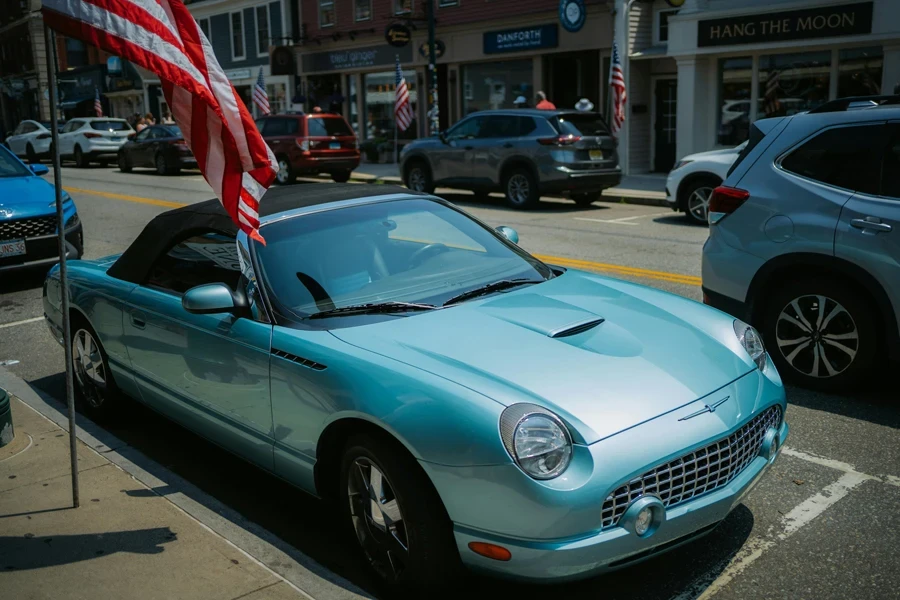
{"x":419,"y":255}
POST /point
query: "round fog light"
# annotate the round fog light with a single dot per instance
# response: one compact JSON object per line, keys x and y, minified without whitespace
{"x":644,"y":516}
{"x":643,"y":521}
{"x":770,"y":445}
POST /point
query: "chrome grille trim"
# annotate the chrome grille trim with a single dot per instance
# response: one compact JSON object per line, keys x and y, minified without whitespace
{"x":698,"y":472}
{"x":27,"y":228}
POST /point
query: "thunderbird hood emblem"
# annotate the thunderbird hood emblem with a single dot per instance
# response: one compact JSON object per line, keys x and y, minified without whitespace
{"x":707,"y":408}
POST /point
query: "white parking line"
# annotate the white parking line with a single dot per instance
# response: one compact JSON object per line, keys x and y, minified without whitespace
{"x":22,"y":322}
{"x":801,"y":515}
{"x":621,"y":220}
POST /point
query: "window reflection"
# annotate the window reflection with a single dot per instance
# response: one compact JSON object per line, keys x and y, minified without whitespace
{"x":793,"y":83}
{"x":859,"y":72}
{"x":734,"y":112}
{"x":489,"y":86}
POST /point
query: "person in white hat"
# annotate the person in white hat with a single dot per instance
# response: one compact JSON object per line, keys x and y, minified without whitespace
{"x":584,"y":105}
{"x":520,"y":102}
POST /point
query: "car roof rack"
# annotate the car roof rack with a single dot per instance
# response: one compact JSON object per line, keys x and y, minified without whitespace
{"x":842,"y":104}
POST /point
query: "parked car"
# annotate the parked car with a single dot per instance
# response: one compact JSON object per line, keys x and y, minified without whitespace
{"x":690,"y":184}
{"x":31,"y":139}
{"x":310,"y":144}
{"x":804,"y":240}
{"x":93,"y":139}
{"x":28,"y":222}
{"x":457,"y":399}
{"x":523,"y":153}
{"x":161,"y":147}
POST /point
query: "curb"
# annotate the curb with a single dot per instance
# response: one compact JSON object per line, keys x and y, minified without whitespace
{"x":286,"y":562}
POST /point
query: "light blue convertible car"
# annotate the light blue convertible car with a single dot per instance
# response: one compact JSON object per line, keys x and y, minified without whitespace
{"x":462,"y":402}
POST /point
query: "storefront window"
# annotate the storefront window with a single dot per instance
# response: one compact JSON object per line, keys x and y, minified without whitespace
{"x":859,"y":72}
{"x":402,"y":7}
{"x":277,"y":97}
{"x":363,"y":10}
{"x":793,"y":83}
{"x":734,"y":100}
{"x":354,"y":111}
{"x":326,"y":13}
{"x":379,"y":102}
{"x":497,"y":84}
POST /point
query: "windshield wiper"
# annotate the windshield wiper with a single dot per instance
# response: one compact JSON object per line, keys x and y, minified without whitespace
{"x":371,"y":309}
{"x":503,"y":284}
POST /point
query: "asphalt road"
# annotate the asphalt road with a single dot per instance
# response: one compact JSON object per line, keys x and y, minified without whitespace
{"x":823,"y":524}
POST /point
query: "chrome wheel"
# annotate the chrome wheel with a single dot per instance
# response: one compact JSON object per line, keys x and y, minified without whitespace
{"x":284,"y":171}
{"x":698,"y":203}
{"x":377,"y":519}
{"x":518,"y":188}
{"x":817,"y":336}
{"x":90,"y":370}
{"x":416,"y":179}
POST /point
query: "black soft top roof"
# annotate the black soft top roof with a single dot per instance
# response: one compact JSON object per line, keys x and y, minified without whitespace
{"x":173,"y":226}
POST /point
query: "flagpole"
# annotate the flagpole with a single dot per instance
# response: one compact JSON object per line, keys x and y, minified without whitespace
{"x":50,"y":49}
{"x":396,"y":129}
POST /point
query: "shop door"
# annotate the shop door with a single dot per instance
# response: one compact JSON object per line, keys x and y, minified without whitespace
{"x":571,"y":76}
{"x":664,"y":127}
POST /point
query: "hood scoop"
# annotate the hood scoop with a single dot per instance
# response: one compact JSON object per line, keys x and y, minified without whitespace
{"x":576,"y":328}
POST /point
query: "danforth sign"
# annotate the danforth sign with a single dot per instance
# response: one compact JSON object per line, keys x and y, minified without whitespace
{"x":827,"y":21}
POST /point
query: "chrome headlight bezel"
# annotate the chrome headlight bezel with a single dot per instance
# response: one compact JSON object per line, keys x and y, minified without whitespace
{"x":511,"y":422}
{"x":752,"y":343}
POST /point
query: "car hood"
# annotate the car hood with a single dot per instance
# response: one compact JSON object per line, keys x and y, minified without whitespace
{"x":24,"y":197}
{"x":712,"y":153}
{"x":652,"y":353}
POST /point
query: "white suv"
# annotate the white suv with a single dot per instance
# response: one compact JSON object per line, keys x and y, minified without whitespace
{"x":31,"y":140}
{"x":93,"y":139}
{"x":690,"y":184}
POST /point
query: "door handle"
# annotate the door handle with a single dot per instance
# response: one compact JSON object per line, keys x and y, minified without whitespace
{"x":138,"y":321}
{"x":871,"y":224}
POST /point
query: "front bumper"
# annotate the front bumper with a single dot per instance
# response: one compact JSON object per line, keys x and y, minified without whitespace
{"x":564,"y":179}
{"x":43,"y":251}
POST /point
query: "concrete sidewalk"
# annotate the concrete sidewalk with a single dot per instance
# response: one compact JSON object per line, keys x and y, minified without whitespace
{"x":125,"y":541}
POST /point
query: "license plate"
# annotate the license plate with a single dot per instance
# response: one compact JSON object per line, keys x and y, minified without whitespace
{"x":335,"y":145}
{"x":12,"y":248}
{"x":596,"y":154}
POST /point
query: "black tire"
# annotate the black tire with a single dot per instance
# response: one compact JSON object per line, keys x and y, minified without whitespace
{"x":286,"y":174}
{"x":586,"y":199}
{"x":98,"y":401}
{"x":418,"y":178}
{"x":432,"y":559}
{"x":81,"y":160}
{"x":696,"y":199}
{"x":853,"y":316}
{"x":521,"y":189}
{"x":341,"y":176}
{"x":31,"y":155}
{"x":162,"y":165}
{"x":124,"y":165}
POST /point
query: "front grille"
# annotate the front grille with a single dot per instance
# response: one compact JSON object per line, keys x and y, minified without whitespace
{"x":698,"y":472}
{"x":27,"y":228}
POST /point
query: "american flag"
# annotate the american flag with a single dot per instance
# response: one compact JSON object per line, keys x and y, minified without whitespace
{"x":773,"y":104}
{"x":162,"y":37}
{"x":98,"y":108}
{"x":260,"y":97}
{"x":617,"y":87}
{"x":403,"y":111}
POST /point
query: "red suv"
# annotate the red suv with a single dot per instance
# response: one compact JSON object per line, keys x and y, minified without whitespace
{"x":310,"y":144}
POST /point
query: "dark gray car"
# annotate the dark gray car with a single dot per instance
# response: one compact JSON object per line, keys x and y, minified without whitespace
{"x":523,"y":153}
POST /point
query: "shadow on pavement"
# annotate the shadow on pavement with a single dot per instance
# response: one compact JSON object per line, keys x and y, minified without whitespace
{"x":876,"y":404}
{"x":24,"y":553}
{"x":24,"y":280}
{"x":680,"y":220}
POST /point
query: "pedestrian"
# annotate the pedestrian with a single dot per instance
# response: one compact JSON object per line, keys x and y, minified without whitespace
{"x":150,"y":119}
{"x":167,"y":118}
{"x":317,"y":110}
{"x":543,"y":103}
{"x":141,"y":124}
{"x":584,"y":105}
{"x":520,"y":102}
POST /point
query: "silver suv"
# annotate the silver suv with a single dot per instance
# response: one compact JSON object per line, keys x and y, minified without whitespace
{"x":804,"y":240}
{"x":523,"y":153}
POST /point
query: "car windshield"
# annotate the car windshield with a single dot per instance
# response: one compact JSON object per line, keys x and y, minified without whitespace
{"x":11,"y":167}
{"x":328,"y":126}
{"x":583,"y":125}
{"x":173,"y":131}
{"x":110,"y":125}
{"x":414,"y":251}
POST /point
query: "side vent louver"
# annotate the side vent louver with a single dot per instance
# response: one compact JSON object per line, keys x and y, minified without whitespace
{"x":309,"y":364}
{"x":576,"y":328}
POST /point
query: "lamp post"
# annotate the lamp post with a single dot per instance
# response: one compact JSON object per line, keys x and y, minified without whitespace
{"x":434,"y":126}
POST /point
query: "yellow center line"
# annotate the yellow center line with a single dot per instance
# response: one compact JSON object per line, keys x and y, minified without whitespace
{"x":575,"y":263}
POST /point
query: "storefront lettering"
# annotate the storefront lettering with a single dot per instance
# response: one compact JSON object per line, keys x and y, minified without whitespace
{"x":849,"y":19}
{"x":510,"y":40}
{"x":340,"y":60}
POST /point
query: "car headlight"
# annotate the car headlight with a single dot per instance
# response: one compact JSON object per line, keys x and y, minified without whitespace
{"x":65,"y":198}
{"x":537,"y":440}
{"x":681,"y":163}
{"x":752,"y":342}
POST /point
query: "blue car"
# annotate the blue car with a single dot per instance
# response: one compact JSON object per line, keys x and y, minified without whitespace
{"x":28,"y":223}
{"x":461,"y":402}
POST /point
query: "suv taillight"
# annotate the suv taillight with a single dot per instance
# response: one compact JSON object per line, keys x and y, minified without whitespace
{"x":303,"y":144}
{"x":724,"y":201}
{"x":559,"y":140}
{"x":91,"y":135}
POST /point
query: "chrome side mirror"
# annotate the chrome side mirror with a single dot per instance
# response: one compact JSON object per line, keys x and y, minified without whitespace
{"x":509,"y":233}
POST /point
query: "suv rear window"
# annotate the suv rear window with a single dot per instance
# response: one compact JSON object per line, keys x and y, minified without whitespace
{"x":110,"y":125}
{"x":278,"y":126}
{"x":327,"y":126}
{"x":583,"y":125}
{"x":846,"y":157}
{"x":756,"y":136}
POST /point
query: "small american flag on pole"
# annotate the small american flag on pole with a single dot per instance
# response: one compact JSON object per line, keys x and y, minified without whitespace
{"x":617,"y":87}
{"x":163,"y":37}
{"x":98,"y":107}
{"x":402,"y":108}
{"x":260,"y":97}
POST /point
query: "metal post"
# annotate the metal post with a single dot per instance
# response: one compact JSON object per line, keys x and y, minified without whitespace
{"x":435,"y":123}
{"x":50,"y":47}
